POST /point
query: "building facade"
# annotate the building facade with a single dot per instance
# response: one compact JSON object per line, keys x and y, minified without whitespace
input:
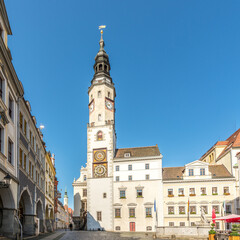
{"x":99,"y":188}
{"x":50,"y":173}
{"x":10,"y":91}
{"x":194,"y":190}
{"x":31,"y":172}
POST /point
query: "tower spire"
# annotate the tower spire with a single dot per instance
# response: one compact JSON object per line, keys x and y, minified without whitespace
{"x":102,"y":65}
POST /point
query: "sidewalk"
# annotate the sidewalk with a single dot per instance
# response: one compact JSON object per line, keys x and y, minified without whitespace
{"x":47,"y":236}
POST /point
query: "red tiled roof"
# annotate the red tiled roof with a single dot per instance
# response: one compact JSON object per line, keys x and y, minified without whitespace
{"x":176,"y":173}
{"x":232,"y":141}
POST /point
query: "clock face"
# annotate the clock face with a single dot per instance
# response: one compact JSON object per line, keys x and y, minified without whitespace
{"x":109,"y":105}
{"x":91,"y":107}
{"x":99,"y":156}
{"x":100,"y":170}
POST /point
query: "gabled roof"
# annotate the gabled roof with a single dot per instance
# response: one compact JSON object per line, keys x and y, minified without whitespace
{"x":232,"y":141}
{"x":176,"y":173}
{"x":197,"y":162}
{"x":138,"y":152}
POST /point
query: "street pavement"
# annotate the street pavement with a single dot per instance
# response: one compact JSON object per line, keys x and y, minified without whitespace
{"x":92,"y":235}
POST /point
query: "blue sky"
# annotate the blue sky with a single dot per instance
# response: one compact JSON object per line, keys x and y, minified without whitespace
{"x":175,"y":65}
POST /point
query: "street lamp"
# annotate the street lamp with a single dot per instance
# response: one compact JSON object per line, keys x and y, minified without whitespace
{"x":5,"y":183}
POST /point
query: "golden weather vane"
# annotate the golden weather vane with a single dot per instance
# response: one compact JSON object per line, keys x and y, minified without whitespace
{"x":101,"y":27}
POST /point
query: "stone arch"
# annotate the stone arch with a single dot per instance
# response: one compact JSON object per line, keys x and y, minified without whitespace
{"x":7,"y":198}
{"x":25,"y":212}
{"x":46,"y":212}
{"x":26,"y":201}
{"x":39,"y":214}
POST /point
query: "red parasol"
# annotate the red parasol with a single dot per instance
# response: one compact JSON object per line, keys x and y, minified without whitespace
{"x":213,"y":216}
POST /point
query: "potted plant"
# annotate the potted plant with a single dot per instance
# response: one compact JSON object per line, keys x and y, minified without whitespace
{"x":234,"y":235}
{"x":212,"y":232}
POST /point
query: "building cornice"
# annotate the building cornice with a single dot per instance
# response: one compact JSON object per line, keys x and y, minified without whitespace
{"x":199,"y":180}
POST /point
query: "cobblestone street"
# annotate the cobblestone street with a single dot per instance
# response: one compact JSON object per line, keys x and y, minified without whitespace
{"x":77,"y":235}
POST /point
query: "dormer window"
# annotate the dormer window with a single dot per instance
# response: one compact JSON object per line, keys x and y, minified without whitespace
{"x":190,"y":172}
{"x":202,"y":171}
{"x":127,"y":154}
{"x":100,"y":136}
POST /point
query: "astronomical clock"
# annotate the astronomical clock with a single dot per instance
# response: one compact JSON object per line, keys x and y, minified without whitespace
{"x":100,"y":163}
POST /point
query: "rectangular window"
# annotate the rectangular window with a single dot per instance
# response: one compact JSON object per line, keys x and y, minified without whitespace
{"x":181,"y":210}
{"x":193,"y":224}
{"x":117,"y":168}
{"x":85,"y":178}
{"x":216,"y":208}
{"x":129,"y":167}
{"x":202,"y":171}
{"x":182,"y":224}
{"x":228,"y":209}
{"x":30,"y":168}
{"x":192,"y":209}
{"x":99,"y":94}
{"x":122,"y":194}
{"x":170,"y":210}
{"x":139,"y":193}
{"x":1,"y":88}
{"x":25,"y":161}
{"x":117,"y":178}
{"x":192,"y":192}
{"x":148,"y":212}
{"x":32,"y":172}
{"x":205,"y":209}
{"x":99,"y":216}
{"x":20,"y":157}
{"x":130,"y":178}
{"x":147,"y":177}
{"x":203,"y":191}
{"x":131,"y":212}
{"x":181,"y":192}
{"x":147,"y":166}
{"x":25,"y":127}
{"x":117,"y":212}
{"x":214,"y":191}
{"x":171,"y":224}
{"x":217,"y":225}
{"x":1,"y":140}
{"x":21,"y":120}
{"x":190,"y":171}
{"x":170,"y":192}
{"x":84,"y":192}
{"x":226,"y":191}
{"x":10,"y":151}
{"x":10,"y":108}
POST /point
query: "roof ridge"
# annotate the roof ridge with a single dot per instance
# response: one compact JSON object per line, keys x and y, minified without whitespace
{"x":137,"y":147}
{"x":175,"y":167}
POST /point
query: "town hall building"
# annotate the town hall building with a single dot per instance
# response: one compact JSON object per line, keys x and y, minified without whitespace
{"x":115,"y":188}
{"x":128,"y":190}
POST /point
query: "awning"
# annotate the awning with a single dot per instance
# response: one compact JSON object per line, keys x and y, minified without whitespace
{"x":229,"y":218}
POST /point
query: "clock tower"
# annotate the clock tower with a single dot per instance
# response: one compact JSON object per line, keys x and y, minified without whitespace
{"x":101,"y":141}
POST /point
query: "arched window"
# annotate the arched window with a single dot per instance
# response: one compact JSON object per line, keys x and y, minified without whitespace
{"x":95,"y":69}
{"x":100,"y":136}
{"x":99,"y":117}
{"x":100,"y":67}
{"x":105,"y":68}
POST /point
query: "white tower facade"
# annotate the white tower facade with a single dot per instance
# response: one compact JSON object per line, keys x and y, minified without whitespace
{"x":101,"y":141}
{"x":65,"y":199}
